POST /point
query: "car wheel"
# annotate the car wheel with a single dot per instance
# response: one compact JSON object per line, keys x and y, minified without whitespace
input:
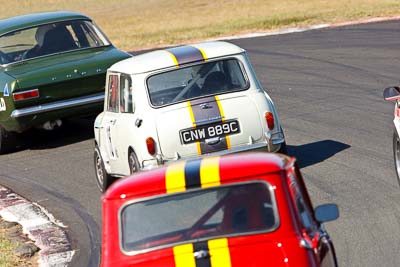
{"x":104,"y":180}
{"x":396,"y":154}
{"x":133,"y":162}
{"x":8,"y":141}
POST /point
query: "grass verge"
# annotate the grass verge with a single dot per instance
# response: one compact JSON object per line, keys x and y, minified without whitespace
{"x":14,"y":245}
{"x":7,"y":255}
{"x":134,"y":24}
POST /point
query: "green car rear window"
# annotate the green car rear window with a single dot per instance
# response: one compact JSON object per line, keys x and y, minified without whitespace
{"x":49,"y":39}
{"x":221,"y":211}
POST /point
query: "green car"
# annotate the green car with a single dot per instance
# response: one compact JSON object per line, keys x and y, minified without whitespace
{"x":52,"y":67}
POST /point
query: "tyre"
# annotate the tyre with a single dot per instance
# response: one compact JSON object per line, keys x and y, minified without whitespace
{"x":104,"y":180}
{"x":133,"y":162}
{"x":396,"y":154}
{"x":283,"y":149}
{"x":8,"y":141}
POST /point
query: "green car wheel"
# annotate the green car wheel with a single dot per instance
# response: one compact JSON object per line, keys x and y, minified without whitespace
{"x":8,"y":141}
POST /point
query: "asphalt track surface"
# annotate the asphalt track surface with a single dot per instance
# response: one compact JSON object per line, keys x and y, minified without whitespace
{"x":327,"y":85}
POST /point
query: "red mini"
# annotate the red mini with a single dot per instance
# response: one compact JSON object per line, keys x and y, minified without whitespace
{"x":231,"y":211}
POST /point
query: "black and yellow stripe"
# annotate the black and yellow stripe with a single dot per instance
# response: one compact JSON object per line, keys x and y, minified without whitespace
{"x":214,"y":114}
{"x":186,"y":54}
{"x":183,"y":256}
{"x":218,"y":250}
{"x":221,"y":111}
{"x":219,"y":253}
{"x":189,"y":105}
{"x":202,"y":246}
{"x":202,"y":173}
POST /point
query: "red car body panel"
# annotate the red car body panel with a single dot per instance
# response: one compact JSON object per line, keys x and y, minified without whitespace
{"x":281,"y":247}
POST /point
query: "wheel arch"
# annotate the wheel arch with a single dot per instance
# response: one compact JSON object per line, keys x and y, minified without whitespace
{"x":131,"y":149}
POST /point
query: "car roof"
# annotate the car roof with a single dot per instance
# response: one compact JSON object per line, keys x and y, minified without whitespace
{"x":26,"y":21}
{"x":228,"y":168}
{"x":176,"y":56}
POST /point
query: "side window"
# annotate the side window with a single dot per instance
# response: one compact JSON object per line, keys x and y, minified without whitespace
{"x":73,"y":34}
{"x":236,"y":75}
{"x":302,"y":209}
{"x":304,"y":213}
{"x":112,"y":105}
{"x":125,"y":93}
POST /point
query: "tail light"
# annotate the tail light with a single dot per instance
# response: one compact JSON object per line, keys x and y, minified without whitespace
{"x":151,"y":145}
{"x":26,"y":95}
{"x":269,"y":118}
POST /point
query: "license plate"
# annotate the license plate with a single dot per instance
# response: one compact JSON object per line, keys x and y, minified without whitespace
{"x":208,"y":131}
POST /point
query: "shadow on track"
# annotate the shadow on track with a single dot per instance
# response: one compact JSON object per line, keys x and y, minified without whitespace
{"x":72,"y":131}
{"x":313,"y":153}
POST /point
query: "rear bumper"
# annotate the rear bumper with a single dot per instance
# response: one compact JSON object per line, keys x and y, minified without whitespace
{"x":36,"y":116}
{"x":64,"y":104}
{"x":272,"y":144}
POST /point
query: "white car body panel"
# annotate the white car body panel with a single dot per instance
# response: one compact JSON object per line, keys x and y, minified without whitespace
{"x":396,"y":119}
{"x":117,"y":133}
{"x":169,"y":138}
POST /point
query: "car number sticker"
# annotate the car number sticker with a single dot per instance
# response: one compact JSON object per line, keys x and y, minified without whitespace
{"x":2,"y":105}
{"x":201,"y":133}
{"x":5,"y":91}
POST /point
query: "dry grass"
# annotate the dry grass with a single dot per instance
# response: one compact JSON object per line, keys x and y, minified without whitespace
{"x":132,"y":24}
{"x":7,"y":257}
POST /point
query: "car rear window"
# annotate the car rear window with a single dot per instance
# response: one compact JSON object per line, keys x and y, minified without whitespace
{"x":210,"y":78}
{"x":49,"y":39}
{"x":221,"y":211}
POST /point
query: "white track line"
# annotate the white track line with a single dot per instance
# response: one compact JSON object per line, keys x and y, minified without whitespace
{"x":303,"y":29}
{"x":277,"y":32}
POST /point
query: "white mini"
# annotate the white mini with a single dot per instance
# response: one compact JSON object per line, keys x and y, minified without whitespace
{"x":181,"y":103}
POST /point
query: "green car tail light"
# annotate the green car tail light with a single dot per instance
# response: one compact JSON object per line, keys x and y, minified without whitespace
{"x":26,"y":95}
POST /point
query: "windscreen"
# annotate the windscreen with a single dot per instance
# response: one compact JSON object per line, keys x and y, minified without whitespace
{"x":49,"y":39}
{"x":210,"y":78}
{"x":219,"y":211}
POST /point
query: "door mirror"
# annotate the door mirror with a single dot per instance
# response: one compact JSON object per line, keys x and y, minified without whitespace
{"x":392,"y":93}
{"x":326,"y":213}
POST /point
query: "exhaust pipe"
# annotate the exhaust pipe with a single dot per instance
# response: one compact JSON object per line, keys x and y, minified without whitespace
{"x":51,"y":125}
